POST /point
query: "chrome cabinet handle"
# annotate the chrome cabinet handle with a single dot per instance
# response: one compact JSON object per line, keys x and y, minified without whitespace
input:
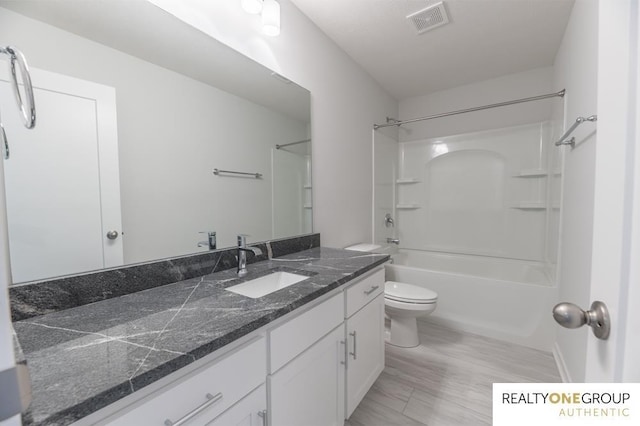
{"x":372,"y":289}
{"x":263,"y":415}
{"x":346,"y":357}
{"x":210,"y":401}
{"x":112,"y":235}
{"x":354,"y":353}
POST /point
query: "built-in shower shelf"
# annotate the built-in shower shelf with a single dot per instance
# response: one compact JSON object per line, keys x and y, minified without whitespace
{"x":530,"y":205}
{"x":532,"y":173}
{"x":407,"y":180}
{"x":408,"y":206}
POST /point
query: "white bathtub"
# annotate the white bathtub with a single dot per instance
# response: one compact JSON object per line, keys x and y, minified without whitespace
{"x":506,"y":299}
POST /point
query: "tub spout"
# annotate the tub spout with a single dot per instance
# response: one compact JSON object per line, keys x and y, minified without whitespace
{"x":393,"y":241}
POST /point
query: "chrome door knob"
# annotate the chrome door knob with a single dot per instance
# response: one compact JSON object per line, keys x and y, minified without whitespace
{"x":569,"y":315}
{"x":112,"y":235}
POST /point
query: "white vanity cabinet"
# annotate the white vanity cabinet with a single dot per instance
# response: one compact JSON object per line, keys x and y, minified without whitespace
{"x":323,"y":385}
{"x":306,"y":385}
{"x":309,"y":390}
{"x":365,"y":337}
{"x":205,"y":393}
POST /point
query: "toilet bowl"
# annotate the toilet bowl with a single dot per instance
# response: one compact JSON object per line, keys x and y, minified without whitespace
{"x":403,"y":304}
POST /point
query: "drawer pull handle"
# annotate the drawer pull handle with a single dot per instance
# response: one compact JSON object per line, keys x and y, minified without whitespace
{"x":210,"y":401}
{"x":346,"y":357}
{"x":263,"y":415}
{"x":372,"y":289}
{"x":354,"y":353}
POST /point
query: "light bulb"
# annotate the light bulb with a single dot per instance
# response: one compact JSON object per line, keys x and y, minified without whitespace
{"x":271,"y":17}
{"x":252,"y":6}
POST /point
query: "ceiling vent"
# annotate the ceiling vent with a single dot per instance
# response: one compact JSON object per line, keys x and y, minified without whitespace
{"x":427,"y":19}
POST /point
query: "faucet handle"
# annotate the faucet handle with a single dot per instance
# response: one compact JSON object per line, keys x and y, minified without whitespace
{"x":211,"y":240}
{"x":242,"y":240}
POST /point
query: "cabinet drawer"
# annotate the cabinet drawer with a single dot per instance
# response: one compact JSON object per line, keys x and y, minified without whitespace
{"x":231,"y":377}
{"x":293,"y":337}
{"x":364,"y":291}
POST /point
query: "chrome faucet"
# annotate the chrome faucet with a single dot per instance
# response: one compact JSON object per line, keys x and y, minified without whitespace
{"x":393,"y":240}
{"x":211,"y":240}
{"x":242,"y":254}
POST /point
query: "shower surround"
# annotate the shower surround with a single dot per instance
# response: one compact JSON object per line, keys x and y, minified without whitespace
{"x":477,"y":219}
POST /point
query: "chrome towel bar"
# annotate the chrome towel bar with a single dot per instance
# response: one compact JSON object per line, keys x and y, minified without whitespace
{"x":255,"y":175}
{"x":572,"y":141}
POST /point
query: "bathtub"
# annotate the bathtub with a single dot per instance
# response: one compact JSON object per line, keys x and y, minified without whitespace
{"x":506,"y":299}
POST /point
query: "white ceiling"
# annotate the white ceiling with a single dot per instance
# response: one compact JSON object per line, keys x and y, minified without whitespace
{"x":484,"y":39}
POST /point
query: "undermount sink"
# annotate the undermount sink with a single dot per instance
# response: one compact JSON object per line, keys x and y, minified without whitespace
{"x":267,"y":284}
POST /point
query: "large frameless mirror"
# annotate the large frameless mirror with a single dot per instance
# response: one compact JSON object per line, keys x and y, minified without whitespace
{"x":136,"y":110}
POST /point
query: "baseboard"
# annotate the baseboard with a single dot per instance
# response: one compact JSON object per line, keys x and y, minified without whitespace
{"x":562,"y":367}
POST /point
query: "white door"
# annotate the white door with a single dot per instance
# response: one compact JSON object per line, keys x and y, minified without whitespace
{"x":62,"y":182}
{"x":615,"y":257}
{"x":600,"y":259}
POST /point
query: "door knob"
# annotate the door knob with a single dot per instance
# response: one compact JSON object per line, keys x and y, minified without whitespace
{"x":112,"y":235}
{"x":572,"y":316}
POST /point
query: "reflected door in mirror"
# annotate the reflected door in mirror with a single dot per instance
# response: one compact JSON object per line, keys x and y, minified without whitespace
{"x":59,"y":209}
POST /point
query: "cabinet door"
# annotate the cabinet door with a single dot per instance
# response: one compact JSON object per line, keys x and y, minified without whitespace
{"x":365,"y":361}
{"x":309,"y":390}
{"x":250,"y":411}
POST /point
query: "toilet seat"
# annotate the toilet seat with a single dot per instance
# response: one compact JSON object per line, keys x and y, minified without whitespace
{"x":409,"y":293}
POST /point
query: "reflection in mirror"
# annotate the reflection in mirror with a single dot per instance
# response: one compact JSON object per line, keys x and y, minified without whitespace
{"x":136,"y":109}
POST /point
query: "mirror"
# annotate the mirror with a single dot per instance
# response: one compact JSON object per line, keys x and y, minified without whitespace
{"x":135,"y":110}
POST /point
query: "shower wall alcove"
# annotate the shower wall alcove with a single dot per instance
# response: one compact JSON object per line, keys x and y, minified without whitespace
{"x":477,"y":220}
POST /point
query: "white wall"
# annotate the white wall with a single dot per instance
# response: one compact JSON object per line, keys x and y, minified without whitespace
{"x":345,"y":103}
{"x":576,"y":67}
{"x":509,"y":87}
{"x":172,"y":132}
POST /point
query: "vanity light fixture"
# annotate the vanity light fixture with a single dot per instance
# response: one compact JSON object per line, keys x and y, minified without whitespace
{"x":271,"y":17}
{"x":253,"y":7}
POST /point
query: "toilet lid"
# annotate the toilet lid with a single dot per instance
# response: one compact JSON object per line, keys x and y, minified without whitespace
{"x":404,"y":292}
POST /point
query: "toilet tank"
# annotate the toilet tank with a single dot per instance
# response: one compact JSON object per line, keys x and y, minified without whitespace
{"x":368,"y":247}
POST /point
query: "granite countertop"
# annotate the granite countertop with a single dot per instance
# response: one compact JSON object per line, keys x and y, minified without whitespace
{"x":85,"y":358}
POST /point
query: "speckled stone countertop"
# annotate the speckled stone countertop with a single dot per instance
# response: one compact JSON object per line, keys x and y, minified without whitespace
{"x":87,"y":357}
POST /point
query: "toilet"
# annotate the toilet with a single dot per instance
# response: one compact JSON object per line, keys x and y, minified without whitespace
{"x":403,"y":304}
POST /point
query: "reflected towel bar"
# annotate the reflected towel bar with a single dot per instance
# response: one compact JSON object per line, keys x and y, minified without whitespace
{"x":255,"y":175}
{"x":292,"y":143}
{"x":578,"y":122}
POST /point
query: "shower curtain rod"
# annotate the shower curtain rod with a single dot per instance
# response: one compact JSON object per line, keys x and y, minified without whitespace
{"x":462,"y":111}
{"x":292,"y":143}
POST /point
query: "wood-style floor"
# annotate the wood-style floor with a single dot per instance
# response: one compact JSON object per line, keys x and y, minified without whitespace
{"x":446,"y":381}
